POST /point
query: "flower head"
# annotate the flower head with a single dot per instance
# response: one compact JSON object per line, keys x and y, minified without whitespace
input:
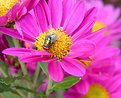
{"x":61,"y":34}
{"x":96,"y":88}
{"x":11,"y":10}
{"x":108,"y":17}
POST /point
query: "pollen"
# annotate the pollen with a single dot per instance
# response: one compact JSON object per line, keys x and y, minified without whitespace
{"x":6,"y":5}
{"x":97,"y":91}
{"x":59,"y":48}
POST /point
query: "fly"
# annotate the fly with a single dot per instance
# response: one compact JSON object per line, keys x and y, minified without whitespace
{"x":49,"y":40}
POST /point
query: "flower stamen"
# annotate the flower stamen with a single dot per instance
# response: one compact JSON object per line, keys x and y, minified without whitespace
{"x":6,"y":5}
{"x":60,"y":45}
{"x":97,"y":91}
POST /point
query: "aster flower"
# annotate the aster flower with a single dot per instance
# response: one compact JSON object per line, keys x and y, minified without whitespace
{"x":105,"y":57}
{"x":58,"y":30}
{"x":96,"y":88}
{"x":10,"y":10}
{"x":108,"y":17}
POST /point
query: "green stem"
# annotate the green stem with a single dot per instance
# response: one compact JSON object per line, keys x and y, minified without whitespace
{"x":43,"y":66}
{"x":21,"y":94}
{"x":23,"y":67}
{"x":59,"y":94}
{"x":49,"y":86}
{"x":3,"y":72}
{"x":25,"y":72}
{"x":16,"y":42}
{"x":36,"y":75}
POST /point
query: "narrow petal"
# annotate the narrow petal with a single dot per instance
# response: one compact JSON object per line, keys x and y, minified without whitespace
{"x":14,"y":33}
{"x":82,"y":87}
{"x":82,"y":48}
{"x":13,"y":12}
{"x":67,"y":8}
{"x":56,"y":12}
{"x":23,"y":52}
{"x":41,"y":17}
{"x":96,"y":36}
{"x":29,"y":26}
{"x":106,"y":53}
{"x":47,"y":11}
{"x":75,"y":18}
{"x":72,"y":95}
{"x":55,"y":71}
{"x":72,"y":67}
{"x":86,"y":24}
{"x":114,"y":84}
{"x":35,"y":58}
{"x":3,"y":20}
{"x":22,"y":12}
{"x":32,"y":4}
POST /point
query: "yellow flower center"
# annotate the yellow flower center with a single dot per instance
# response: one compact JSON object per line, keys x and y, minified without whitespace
{"x":97,"y":91}
{"x":59,"y":48}
{"x":6,"y":5}
{"x":97,"y":26}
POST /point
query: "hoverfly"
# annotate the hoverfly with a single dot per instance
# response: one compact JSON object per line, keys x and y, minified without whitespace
{"x":50,"y":38}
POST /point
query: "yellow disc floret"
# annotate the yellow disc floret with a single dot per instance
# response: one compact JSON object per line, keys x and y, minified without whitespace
{"x":60,"y":47}
{"x":98,"y":25}
{"x":97,"y":91}
{"x":6,"y":5}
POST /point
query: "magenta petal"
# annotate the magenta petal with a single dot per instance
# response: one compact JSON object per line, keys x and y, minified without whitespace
{"x":13,"y":12}
{"x":75,"y":17}
{"x":29,"y":26}
{"x":11,"y":32}
{"x":14,"y":33}
{"x":23,"y":52}
{"x":41,"y":17}
{"x":72,"y":67}
{"x":3,"y":20}
{"x":55,"y":71}
{"x":67,"y":8}
{"x":35,"y":58}
{"x":106,"y":53}
{"x":116,"y":94}
{"x":47,"y":11}
{"x":86,"y":24}
{"x":82,"y":87}
{"x":72,"y":95}
{"x":114,"y":84}
{"x":56,"y":12}
{"x":32,"y":4}
{"x":22,"y":12}
{"x":82,"y":48}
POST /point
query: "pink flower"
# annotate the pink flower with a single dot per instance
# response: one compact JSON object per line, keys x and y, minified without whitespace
{"x":105,"y":56}
{"x":94,"y":87}
{"x":61,"y":32}
{"x":108,"y":17}
{"x":10,"y":10}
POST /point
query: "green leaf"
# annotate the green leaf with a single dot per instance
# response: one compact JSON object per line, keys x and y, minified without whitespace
{"x":66,"y":83}
{"x":26,"y":89}
{"x":11,"y":80}
{"x":4,"y":87}
{"x":8,"y":95}
{"x":4,"y":68}
{"x":29,"y":90}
